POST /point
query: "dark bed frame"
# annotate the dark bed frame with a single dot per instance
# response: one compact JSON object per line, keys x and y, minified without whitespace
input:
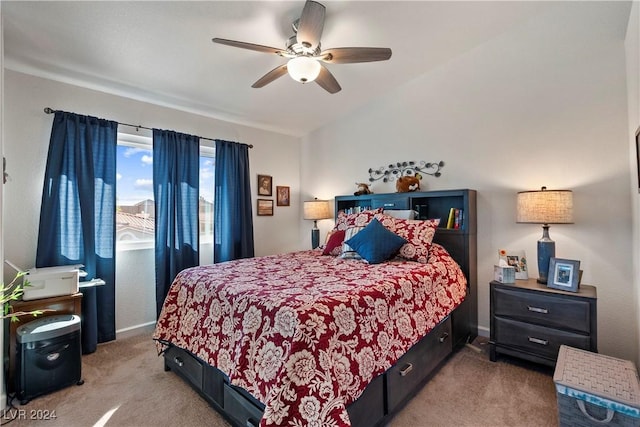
{"x":390,"y":391}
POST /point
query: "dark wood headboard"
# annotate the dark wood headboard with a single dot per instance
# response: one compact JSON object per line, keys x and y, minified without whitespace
{"x":461,"y":243}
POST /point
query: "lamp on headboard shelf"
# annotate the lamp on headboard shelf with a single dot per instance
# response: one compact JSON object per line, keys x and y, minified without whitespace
{"x":316,"y":210}
{"x":545,"y":207}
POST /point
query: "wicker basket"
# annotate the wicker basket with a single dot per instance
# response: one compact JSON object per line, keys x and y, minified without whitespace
{"x":595,"y":390}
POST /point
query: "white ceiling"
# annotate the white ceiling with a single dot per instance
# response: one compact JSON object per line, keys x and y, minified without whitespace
{"x":161,"y":52}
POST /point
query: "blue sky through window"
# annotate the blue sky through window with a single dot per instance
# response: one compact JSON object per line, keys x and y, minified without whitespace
{"x":135,"y":175}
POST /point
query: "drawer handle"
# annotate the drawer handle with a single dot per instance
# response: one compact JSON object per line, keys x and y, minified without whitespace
{"x":178,"y":361}
{"x":404,"y":371}
{"x":538,"y":341}
{"x":389,"y":204}
{"x":538,"y":309}
{"x":444,"y":337}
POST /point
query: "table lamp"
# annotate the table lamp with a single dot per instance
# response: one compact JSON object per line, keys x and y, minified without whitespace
{"x":545,"y":207}
{"x":315,"y":210}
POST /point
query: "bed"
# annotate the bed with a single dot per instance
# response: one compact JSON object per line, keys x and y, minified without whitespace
{"x":309,"y":339}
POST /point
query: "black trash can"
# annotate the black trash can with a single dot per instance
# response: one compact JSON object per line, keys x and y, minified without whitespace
{"x":89,"y":291}
{"x":49,"y":356}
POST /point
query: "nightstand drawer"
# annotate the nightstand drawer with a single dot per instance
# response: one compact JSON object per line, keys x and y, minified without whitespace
{"x":542,"y":309}
{"x":536,"y":339}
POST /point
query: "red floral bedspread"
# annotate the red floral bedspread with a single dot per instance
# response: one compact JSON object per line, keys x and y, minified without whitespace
{"x":305,"y":333}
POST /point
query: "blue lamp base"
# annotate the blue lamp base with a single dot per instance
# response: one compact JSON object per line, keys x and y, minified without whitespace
{"x":315,"y":236}
{"x":546,"y":251}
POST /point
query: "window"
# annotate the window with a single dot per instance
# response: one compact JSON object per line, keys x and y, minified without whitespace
{"x":205,"y":211}
{"x":135,"y":210}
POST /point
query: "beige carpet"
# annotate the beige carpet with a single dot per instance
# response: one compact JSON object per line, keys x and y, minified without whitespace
{"x":126,"y":385}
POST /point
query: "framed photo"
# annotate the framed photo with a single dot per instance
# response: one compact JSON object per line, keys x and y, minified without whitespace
{"x":265,"y":207}
{"x":517,"y":260}
{"x":638,"y":156}
{"x":282,"y":195}
{"x":564,"y":274}
{"x":265,"y":185}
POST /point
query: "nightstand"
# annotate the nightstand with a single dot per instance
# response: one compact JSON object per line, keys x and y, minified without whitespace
{"x":531,"y":321}
{"x":65,"y":304}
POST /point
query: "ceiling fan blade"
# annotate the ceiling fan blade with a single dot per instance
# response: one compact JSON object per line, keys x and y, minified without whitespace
{"x":250,"y":46}
{"x":277,"y":72}
{"x":327,"y":82}
{"x":350,"y":55}
{"x":311,"y":24}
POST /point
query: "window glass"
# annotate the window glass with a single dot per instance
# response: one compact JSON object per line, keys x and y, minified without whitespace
{"x":135,"y":212}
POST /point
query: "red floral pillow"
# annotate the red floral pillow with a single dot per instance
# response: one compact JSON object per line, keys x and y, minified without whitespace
{"x":418,"y":234}
{"x":334,"y":243}
{"x":360,"y":219}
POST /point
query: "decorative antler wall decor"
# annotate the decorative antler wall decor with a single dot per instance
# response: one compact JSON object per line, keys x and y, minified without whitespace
{"x":394,"y":171}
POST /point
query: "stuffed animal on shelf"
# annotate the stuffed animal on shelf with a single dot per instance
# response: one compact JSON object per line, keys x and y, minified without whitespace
{"x":362,"y":189}
{"x":405,"y":184}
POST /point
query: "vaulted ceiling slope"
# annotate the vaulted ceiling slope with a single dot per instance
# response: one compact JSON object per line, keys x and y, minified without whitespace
{"x":161,"y":52}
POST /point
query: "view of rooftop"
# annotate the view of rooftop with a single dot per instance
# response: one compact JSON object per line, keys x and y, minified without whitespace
{"x":135,"y":211}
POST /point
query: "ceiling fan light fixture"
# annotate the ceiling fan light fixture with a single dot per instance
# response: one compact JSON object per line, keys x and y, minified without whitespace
{"x":303,"y":69}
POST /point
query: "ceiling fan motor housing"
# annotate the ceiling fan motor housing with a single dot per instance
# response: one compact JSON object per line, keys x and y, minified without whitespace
{"x":295,"y":48}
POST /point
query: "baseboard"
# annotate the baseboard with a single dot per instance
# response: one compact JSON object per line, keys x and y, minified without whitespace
{"x":483,"y":331}
{"x":145,"y":328}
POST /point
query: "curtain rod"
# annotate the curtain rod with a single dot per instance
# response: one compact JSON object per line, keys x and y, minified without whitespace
{"x":51,"y":111}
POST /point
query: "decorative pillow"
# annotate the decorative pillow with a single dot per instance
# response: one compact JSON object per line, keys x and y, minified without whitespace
{"x":347,"y":251}
{"x":359,"y":219}
{"x":401,"y":213}
{"x":375,"y":243}
{"x":334,"y":243}
{"x":418,"y":234}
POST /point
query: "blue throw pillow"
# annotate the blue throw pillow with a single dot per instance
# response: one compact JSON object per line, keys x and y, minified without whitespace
{"x":375,"y":243}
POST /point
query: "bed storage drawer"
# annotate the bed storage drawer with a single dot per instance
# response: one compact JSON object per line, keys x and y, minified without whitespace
{"x":213,"y":384}
{"x":185,"y":364}
{"x":412,"y":368}
{"x":241,"y":408}
{"x":369,"y":408}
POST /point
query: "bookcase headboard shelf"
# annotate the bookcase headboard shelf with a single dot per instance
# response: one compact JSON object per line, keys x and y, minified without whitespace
{"x":428,"y":204}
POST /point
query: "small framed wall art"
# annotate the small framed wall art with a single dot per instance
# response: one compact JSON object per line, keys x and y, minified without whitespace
{"x":282,"y":195}
{"x":564,"y":274}
{"x":517,"y":260}
{"x":265,"y":207}
{"x":265,"y":185}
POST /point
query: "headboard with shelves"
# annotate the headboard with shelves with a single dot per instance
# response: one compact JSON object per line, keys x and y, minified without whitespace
{"x":461,"y":243}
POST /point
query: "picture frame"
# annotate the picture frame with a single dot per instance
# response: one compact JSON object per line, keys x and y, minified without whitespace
{"x":265,"y":185}
{"x":638,"y":156}
{"x":265,"y":207}
{"x":564,"y":274}
{"x":516,"y":259}
{"x":282,"y":195}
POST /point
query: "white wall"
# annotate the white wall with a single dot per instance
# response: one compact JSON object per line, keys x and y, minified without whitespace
{"x":27,"y":132}
{"x":632,"y":49}
{"x":516,"y":113}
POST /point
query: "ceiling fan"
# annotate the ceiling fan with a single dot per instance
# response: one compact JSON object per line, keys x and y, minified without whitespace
{"x":305,"y":55}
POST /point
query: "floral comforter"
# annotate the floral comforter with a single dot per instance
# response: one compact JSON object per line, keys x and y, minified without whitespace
{"x":305,"y":333}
